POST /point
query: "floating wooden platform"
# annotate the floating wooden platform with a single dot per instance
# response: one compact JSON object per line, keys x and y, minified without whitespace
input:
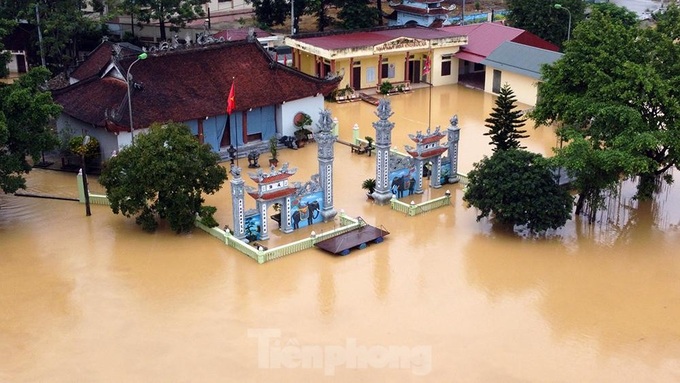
{"x":359,"y":238}
{"x":369,"y":99}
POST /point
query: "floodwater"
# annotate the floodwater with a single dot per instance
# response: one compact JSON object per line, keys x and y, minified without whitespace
{"x":643,"y":8}
{"x":443,"y":299}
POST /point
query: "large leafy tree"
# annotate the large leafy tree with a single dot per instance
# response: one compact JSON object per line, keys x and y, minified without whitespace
{"x":505,"y":122}
{"x":25,"y":113}
{"x":173,"y":12}
{"x":274,"y":12}
{"x":593,"y":170}
{"x":357,"y":14}
{"x":543,"y":19}
{"x":618,"y":86}
{"x":5,"y":56}
{"x":65,"y":30}
{"x":517,"y":187}
{"x":163,"y":175}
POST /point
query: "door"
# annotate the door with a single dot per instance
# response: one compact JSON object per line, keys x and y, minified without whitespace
{"x":414,"y":71}
{"x":356,"y":75}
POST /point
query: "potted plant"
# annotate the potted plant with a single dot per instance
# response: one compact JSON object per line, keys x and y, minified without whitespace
{"x":386,"y":87}
{"x":274,"y":150}
{"x":369,"y":140}
{"x":369,"y":184}
{"x":302,"y":121}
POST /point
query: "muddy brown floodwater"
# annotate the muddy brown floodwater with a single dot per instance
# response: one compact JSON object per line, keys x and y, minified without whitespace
{"x":443,"y":299}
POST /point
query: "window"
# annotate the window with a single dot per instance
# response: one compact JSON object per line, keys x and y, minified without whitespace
{"x":446,"y":65}
{"x":496,"y":87}
{"x":370,"y":74}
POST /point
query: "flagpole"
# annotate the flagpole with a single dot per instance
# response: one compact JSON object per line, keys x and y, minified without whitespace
{"x":429,"y":110}
{"x":426,"y":70}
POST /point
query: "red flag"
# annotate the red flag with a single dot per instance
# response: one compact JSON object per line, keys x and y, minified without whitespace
{"x":231,"y":101}
{"x":426,"y":66}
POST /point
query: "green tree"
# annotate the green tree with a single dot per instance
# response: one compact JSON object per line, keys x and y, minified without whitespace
{"x":357,"y":14}
{"x":593,"y":170}
{"x":543,"y":19}
{"x":25,"y":113}
{"x":318,"y":9}
{"x":618,"y":86}
{"x":518,"y":187}
{"x":173,"y":12}
{"x":505,"y":122}
{"x":274,"y":12}
{"x":163,"y":174}
{"x":6,"y":27}
{"x":65,"y":30}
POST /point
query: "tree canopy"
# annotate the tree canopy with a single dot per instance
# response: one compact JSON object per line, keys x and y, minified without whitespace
{"x":25,"y":114}
{"x":163,"y":175}
{"x":5,"y":56}
{"x":544,"y":20}
{"x":517,"y":187}
{"x":505,"y":121}
{"x":357,"y":14}
{"x":65,"y":29}
{"x":174,"y":12}
{"x":617,"y":86}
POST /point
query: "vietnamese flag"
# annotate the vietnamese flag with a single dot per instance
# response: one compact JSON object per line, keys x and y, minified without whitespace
{"x":231,"y":101}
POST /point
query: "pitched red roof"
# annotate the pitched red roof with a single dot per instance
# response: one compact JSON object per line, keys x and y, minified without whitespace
{"x":270,"y":177}
{"x":427,"y":153}
{"x":427,"y":139}
{"x":484,"y":38}
{"x":99,"y":58}
{"x":188,"y":84}
{"x":268,"y":196}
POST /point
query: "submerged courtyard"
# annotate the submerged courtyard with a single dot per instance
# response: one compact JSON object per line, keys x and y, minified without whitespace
{"x":97,"y":299}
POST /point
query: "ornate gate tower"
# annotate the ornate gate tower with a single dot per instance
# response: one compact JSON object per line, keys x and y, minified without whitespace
{"x":383,"y":141}
{"x":237,"y":202}
{"x":325,"y":139}
{"x":272,"y":187}
{"x":427,"y":148}
{"x":453,"y":137}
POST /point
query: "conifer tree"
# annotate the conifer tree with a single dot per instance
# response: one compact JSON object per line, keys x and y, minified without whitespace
{"x":505,"y":122}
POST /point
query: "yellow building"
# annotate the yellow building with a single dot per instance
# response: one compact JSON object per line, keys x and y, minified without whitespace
{"x":519,"y":66}
{"x":367,"y":58}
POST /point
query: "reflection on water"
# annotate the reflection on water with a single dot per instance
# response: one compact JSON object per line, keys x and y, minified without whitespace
{"x":96,"y":299}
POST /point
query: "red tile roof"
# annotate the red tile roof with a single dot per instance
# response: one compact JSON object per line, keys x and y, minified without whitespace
{"x":370,"y":38}
{"x":268,"y":196}
{"x":484,"y":38}
{"x":189,"y":84}
{"x":427,"y":139}
{"x":427,"y":153}
{"x":98,"y":59}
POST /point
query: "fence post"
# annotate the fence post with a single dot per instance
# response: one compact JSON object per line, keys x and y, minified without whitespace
{"x":355,"y":134}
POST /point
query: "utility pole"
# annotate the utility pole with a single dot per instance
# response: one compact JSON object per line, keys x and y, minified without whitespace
{"x":292,"y":17}
{"x":40,"y":40}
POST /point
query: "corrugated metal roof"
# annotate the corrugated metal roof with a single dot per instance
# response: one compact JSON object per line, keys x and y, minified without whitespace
{"x":521,"y":59}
